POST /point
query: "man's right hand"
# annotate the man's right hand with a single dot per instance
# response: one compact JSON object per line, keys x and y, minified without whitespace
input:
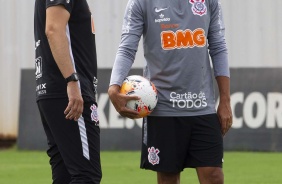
{"x":75,"y":105}
{"x":120,"y":100}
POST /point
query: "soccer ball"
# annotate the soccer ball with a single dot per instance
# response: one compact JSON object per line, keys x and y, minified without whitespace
{"x":145,"y":89}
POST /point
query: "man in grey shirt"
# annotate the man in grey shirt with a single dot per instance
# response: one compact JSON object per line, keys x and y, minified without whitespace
{"x":185,"y":129}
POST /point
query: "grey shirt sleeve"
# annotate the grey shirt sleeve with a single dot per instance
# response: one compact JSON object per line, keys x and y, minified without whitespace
{"x":216,"y":40}
{"x":132,"y":30}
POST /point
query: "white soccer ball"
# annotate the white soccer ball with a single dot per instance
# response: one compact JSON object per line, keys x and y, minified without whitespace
{"x":139,"y":86}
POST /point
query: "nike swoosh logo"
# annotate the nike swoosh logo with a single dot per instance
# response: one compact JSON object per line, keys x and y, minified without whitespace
{"x":157,"y":10}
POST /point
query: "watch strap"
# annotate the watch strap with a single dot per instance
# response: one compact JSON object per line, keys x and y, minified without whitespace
{"x":72,"y":77}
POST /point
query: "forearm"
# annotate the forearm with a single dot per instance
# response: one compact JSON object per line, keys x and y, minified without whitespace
{"x":132,"y":30}
{"x":224,"y":111}
{"x":120,"y":69}
{"x":223,"y":88}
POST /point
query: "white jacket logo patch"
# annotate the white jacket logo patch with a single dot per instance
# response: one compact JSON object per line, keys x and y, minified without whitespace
{"x":153,"y":155}
{"x":94,"y":113}
{"x":198,"y":7}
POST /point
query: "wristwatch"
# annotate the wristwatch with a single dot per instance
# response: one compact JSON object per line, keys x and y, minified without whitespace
{"x":72,"y":77}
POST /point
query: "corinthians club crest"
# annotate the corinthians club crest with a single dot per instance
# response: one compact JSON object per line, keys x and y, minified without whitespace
{"x":94,"y":114}
{"x":198,"y":7}
{"x":153,"y":156}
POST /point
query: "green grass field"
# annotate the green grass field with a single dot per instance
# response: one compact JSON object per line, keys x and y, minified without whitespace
{"x":31,"y":167}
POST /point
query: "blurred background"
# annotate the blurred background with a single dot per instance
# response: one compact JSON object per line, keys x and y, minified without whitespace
{"x":254,"y":39}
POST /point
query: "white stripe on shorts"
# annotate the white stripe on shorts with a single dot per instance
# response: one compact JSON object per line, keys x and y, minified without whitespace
{"x":83,"y":136}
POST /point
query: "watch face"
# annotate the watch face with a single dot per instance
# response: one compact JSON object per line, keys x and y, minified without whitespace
{"x":73,"y":77}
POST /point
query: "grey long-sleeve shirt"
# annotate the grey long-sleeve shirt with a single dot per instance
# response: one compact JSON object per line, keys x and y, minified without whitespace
{"x":179,"y":37}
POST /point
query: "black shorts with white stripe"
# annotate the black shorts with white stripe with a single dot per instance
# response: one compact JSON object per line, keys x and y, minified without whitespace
{"x":74,"y":146}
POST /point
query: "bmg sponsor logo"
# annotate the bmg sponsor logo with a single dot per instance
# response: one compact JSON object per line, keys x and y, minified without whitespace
{"x":183,"y":39}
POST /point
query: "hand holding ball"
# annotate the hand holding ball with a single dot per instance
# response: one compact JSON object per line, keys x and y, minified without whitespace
{"x":145,"y":89}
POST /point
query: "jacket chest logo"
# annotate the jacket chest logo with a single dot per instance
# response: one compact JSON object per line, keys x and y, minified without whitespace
{"x":198,"y":7}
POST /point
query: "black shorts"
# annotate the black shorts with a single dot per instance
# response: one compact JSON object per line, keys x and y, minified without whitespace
{"x":170,"y":144}
{"x":74,"y":146}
